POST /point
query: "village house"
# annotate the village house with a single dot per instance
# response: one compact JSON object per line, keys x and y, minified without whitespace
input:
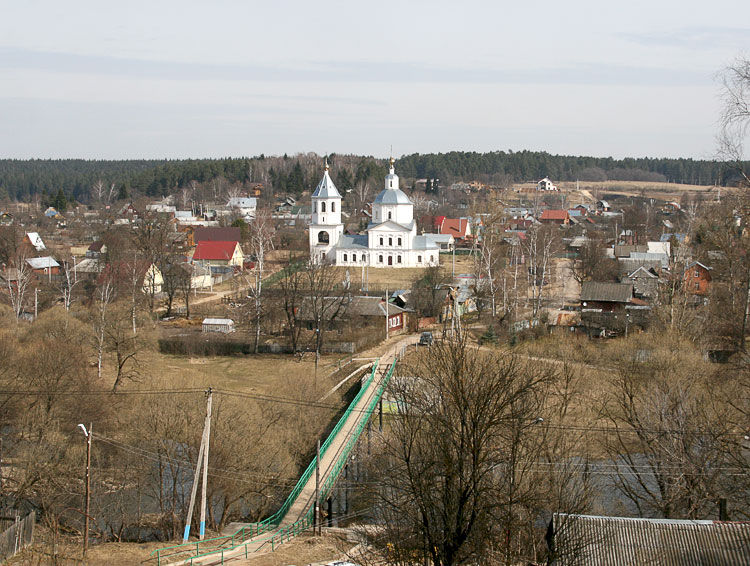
{"x":218,"y":254}
{"x":551,"y":216}
{"x":458,"y":228}
{"x":33,"y":244}
{"x":244,"y":206}
{"x":546,"y":185}
{"x":697,"y":279}
{"x":44,"y":265}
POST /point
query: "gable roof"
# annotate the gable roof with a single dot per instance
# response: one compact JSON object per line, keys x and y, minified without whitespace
{"x":606,"y":292}
{"x":621,"y":541}
{"x":550,"y":214}
{"x":209,"y":250}
{"x":202,"y":233}
{"x":456,"y":227}
{"x":36,"y":240}
{"x":42,"y":262}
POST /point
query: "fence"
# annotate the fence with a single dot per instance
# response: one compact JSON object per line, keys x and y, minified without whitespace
{"x":18,"y":535}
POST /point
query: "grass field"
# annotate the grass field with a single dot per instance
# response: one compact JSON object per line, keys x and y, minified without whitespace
{"x":266,"y":374}
{"x":402,"y":278}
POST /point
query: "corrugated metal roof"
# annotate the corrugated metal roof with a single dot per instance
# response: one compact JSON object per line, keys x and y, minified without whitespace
{"x":621,"y":541}
{"x":609,"y":292}
{"x":42,"y":262}
{"x":219,"y":321}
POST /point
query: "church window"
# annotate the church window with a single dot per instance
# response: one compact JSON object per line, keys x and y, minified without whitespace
{"x":398,"y":259}
{"x":419,"y":259}
{"x":323,"y":237}
{"x":322,"y":207}
{"x":315,"y":207}
{"x":390,"y":215}
{"x":354,"y":258}
{"x":333,"y":207}
{"x":390,"y":241}
{"x":381,"y":240}
{"x":399,"y":241}
{"x":390,"y":183}
{"x":380,"y":258}
{"x":432,"y":258}
{"x":345,"y":257}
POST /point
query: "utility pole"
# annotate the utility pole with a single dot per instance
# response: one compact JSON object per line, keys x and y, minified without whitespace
{"x":36,"y":301}
{"x":87,"y":503}
{"x":205,"y":464}
{"x":386,"y":314}
{"x":203,"y":450}
{"x":316,"y":511}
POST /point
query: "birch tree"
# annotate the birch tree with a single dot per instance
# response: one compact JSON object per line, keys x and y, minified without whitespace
{"x":261,"y":240}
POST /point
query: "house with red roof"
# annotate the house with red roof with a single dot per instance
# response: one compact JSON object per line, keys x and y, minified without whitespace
{"x":551,"y":216}
{"x":459,"y":228}
{"x":211,"y":253}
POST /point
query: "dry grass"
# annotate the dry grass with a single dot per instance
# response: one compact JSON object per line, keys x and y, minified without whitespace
{"x":265,"y":374}
{"x":402,"y":278}
{"x":303,"y":550}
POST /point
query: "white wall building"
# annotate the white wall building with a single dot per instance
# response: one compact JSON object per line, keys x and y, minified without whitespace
{"x":390,"y":240}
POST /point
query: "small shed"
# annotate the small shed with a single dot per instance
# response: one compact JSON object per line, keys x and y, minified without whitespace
{"x":225,"y":325}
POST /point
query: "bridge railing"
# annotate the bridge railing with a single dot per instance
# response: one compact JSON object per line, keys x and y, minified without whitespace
{"x":191,"y":550}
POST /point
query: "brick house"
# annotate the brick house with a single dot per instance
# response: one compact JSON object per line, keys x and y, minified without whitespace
{"x":697,"y":279}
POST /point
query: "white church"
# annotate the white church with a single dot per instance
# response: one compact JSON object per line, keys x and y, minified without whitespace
{"x":391,"y":238}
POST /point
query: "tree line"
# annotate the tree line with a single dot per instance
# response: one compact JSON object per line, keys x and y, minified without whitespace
{"x":24,"y":180}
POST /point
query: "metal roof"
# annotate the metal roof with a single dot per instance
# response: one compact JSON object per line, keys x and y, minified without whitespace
{"x":606,"y":292}
{"x":352,"y":242}
{"x":326,"y":188}
{"x":42,"y":262}
{"x":392,"y":196}
{"x":221,"y":321}
{"x":622,"y":541}
{"x":425,"y":242}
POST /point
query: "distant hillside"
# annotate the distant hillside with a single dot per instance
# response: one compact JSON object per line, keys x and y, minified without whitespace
{"x":24,"y":180}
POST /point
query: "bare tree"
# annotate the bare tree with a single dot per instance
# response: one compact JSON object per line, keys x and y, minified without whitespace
{"x":126,"y":346}
{"x":16,"y":281}
{"x":735,"y":117}
{"x":104,"y":295}
{"x":291,"y":297}
{"x":325,"y":301}
{"x":261,"y":236}
{"x":538,"y":246}
{"x":663,"y":446}
{"x":444,"y":487}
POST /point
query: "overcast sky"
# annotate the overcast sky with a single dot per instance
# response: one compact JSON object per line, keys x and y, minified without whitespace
{"x":153,"y":79}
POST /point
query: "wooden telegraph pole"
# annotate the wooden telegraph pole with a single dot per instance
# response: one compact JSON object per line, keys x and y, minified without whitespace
{"x":88,"y":490}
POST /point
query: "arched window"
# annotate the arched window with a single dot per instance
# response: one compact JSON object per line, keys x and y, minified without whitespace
{"x":419,"y":259}
{"x":380,"y":258}
{"x":399,"y":241}
{"x":390,"y":215}
{"x":322,"y":207}
{"x":333,"y":207}
{"x":354,"y":258}
{"x":390,"y":241}
{"x":315,"y":207}
{"x":345,"y":257}
{"x":432,"y":258}
{"x":323,"y":237}
{"x":398,"y":259}
{"x":381,"y":240}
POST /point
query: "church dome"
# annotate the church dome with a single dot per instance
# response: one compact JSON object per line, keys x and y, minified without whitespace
{"x":392,"y":196}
